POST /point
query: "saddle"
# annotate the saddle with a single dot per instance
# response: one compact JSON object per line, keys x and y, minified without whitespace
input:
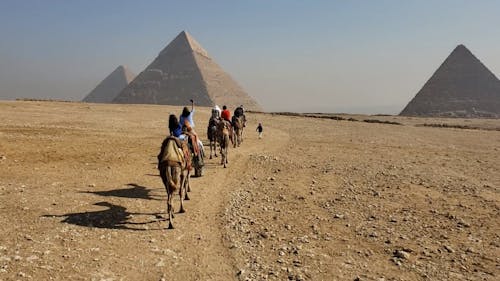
{"x":175,"y":152}
{"x":237,"y":122}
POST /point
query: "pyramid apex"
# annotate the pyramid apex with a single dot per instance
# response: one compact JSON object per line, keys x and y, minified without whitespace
{"x":461,"y":48}
{"x":184,"y":42}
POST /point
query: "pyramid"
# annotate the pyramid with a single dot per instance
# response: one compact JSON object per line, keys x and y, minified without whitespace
{"x":111,"y":86}
{"x":184,"y":71}
{"x":461,"y":87}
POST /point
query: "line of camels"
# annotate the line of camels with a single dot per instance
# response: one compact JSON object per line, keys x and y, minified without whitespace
{"x":177,"y":158}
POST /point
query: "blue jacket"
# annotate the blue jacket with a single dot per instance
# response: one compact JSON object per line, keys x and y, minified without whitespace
{"x":189,"y":118}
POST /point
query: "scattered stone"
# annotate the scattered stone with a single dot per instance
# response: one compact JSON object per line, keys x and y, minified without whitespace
{"x":449,"y":249}
{"x":401,"y":254}
{"x":396,"y":261}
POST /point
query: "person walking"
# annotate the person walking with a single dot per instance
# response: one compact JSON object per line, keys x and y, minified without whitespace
{"x":259,"y":129}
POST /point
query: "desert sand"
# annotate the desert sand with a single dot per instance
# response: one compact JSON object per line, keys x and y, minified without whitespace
{"x":314,"y":199}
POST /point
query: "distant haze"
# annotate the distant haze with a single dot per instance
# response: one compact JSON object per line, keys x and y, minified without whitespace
{"x":303,"y":56}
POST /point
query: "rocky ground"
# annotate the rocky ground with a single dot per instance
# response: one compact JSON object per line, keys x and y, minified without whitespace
{"x":315,"y":199}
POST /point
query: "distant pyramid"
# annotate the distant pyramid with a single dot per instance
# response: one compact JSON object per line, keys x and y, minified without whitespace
{"x":111,"y":86}
{"x":461,"y":87}
{"x":183,"y":71}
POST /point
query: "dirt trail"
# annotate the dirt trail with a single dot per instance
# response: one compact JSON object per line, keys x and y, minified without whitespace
{"x":204,"y":244}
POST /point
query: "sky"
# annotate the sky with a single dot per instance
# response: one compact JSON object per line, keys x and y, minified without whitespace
{"x":290,"y":55}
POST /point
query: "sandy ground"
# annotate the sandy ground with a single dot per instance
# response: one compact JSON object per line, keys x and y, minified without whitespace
{"x":315,"y":199}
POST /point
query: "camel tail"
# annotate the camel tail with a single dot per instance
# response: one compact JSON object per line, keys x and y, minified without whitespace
{"x":170,"y":180}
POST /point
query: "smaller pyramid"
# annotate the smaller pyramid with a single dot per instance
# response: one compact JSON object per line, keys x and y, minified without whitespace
{"x":461,"y":87}
{"x":111,"y":86}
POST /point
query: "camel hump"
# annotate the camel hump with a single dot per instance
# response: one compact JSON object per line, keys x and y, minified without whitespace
{"x":173,"y":151}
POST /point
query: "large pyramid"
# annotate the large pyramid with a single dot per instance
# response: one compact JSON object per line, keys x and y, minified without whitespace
{"x":111,"y":86}
{"x":183,"y":71}
{"x":461,"y":87}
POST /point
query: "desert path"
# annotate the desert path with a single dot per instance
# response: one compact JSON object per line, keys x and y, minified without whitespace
{"x":320,"y":197}
{"x":201,"y":228}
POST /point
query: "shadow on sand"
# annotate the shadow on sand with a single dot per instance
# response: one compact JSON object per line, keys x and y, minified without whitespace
{"x":134,"y":191}
{"x":114,"y":217}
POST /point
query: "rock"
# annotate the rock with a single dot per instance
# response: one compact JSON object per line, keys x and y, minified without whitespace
{"x":396,"y":261}
{"x":401,"y":254}
{"x":449,"y":249}
{"x":32,"y":258}
{"x":161,"y":263}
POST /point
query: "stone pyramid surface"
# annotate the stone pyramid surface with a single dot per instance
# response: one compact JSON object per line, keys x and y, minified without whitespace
{"x":461,"y":87}
{"x":184,"y":71}
{"x":111,"y":86}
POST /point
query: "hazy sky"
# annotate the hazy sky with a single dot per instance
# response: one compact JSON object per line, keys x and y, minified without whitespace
{"x":308,"y":56}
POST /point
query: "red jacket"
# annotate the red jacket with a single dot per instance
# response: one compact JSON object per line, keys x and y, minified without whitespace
{"x":226,"y":114}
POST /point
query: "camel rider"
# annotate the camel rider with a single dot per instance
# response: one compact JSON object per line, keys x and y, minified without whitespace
{"x":216,"y":112}
{"x":239,"y":111}
{"x":186,"y":123}
{"x":187,"y":116}
{"x":225,"y":114}
{"x":174,"y":126}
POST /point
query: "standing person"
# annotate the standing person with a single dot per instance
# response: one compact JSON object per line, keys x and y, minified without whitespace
{"x":225,"y":114}
{"x":259,"y":129}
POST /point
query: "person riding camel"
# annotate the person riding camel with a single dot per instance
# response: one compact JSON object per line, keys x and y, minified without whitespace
{"x":186,"y":125}
{"x":216,"y":112}
{"x":239,"y":111}
{"x":225,"y":114}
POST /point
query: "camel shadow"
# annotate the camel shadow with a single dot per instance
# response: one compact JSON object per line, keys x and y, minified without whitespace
{"x":114,"y":217}
{"x":135,"y":191}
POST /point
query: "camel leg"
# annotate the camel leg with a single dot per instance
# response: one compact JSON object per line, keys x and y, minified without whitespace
{"x":188,"y":184}
{"x":186,"y":188}
{"x":210,"y":144}
{"x":182,"y":192}
{"x":170,"y":211}
{"x":225,"y":158}
{"x":181,"y":197}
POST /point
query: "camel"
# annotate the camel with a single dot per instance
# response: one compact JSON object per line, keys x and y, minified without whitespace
{"x":224,"y":133}
{"x":237,"y":123}
{"x":212,"y":134}
{"x":174,"y":166}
